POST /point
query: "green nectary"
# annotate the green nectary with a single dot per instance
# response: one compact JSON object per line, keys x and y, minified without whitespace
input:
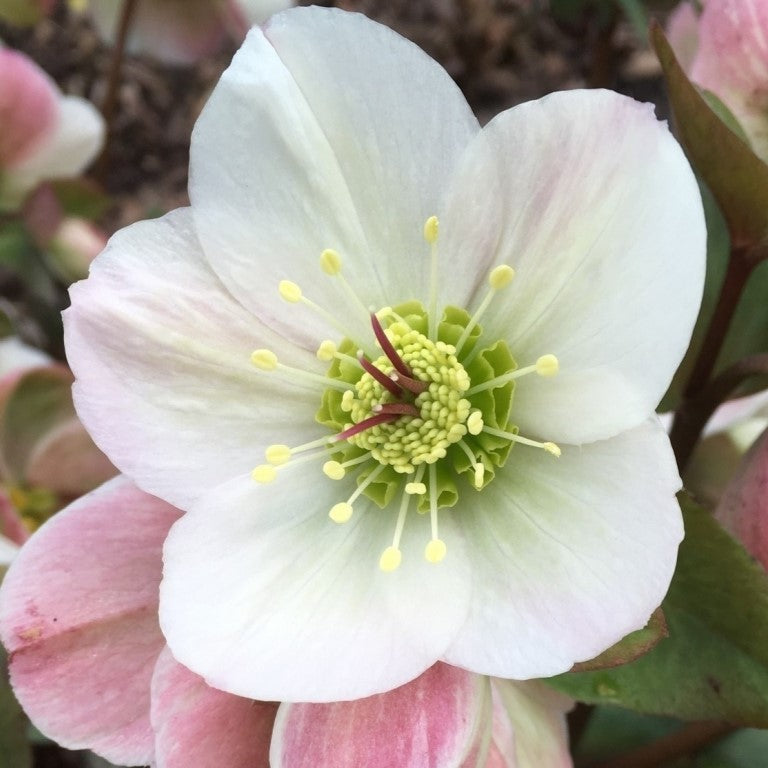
{"x":400,"y":446}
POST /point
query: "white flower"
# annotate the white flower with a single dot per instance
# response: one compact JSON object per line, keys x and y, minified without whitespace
{"x":331,"y":132}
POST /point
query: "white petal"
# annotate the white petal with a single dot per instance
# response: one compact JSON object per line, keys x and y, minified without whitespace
{"x":592,"y":202}
{"x":265,"y":597}
{"x":328,"y":131}
{"x":569,"y":554}
{"x":69,"y":150}
{"x":161,"y":353}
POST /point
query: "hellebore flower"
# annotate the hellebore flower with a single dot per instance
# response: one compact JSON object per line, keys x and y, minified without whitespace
{"x":428,"y":489}
{"x":78,"y":614}
{"x":46,"y":456}
{"x":730,"y":59}
{"x":43,"y":134}
{"x":743,"y":508}
{"x":183,"y":31}
{"x":730,"y":432}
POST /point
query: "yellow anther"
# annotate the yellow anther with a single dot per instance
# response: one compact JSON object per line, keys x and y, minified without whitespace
{"x":501,"y":276}
{"x":340,"y":512}
{"x":431,"y":226}
{"x":326,"y":351}
{"x":479,"y":475}
{"x":390,"y":559}
{"x":330,"y":262}
{"x":475,"y":423}
{"x":415,"y":489}
{"x":264,"y":473}
{"x":552,"y":448}
{"x":435,"y":551}
{"x":278,"y":454}
{"x":290,"y":291}
{"x":264,"y":359}
{"x":334,"y":470}
{"x":547,"y":365}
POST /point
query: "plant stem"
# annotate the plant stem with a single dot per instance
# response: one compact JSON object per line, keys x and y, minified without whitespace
{"x":687,"y":741}
{"x":113,"y":85}
{"x":687,"y":425}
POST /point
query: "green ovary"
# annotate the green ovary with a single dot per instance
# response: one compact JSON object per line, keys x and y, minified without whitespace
{"x":441,"y":433}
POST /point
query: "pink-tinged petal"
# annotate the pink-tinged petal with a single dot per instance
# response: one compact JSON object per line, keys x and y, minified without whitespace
{"x":78,"y":615}
{"x":301,"y":148}
{"x":683,"y":33}
{"x":162,"y":356}
{"x":431,"y":722}
{"x":536,"y":715}
{"x":743,"y":509}
{"x":28,"y":108}
{"x":67,"y":462}
{"x":585,"y":194}
{"x":732,"y":62}
{"x":198,"y":725}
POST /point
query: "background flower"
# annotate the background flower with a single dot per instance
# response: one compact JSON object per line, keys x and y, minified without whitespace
{"x":728,"y":55}
{"x":183,"y":31}
{"x":45,"y":135}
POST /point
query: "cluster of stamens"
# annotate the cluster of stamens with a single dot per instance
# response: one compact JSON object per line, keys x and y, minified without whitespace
{"x":396,"y":416}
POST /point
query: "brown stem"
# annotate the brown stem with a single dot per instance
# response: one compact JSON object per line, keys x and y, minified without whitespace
{"x":113,"y":85}
{"x":687,"y":741}
{"x":693,"y":415}
{"x":739,"y":269}
{"x":688,"y":423}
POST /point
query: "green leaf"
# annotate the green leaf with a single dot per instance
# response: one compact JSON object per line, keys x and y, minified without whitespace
{"x":714,"y":664}
{"x":737,"y":177}
{"x":81,"y":197}
{"x":636,"y":15}
{"x":632,"y":647}
{"x":22,"y":13}
{"x":15,"y":751}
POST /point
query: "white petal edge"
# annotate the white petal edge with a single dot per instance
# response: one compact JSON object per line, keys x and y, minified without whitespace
{"x":569,"y":555}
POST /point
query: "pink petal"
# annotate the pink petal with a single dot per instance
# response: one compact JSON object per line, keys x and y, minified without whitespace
{"x":28,"y":107}
{"x":732,"y":62}
{"x":436,"y":720}
{"x":199,"y":725}
{"x":78,"y":615}
{"x":683,"y":33}
{"x":743,"y":509}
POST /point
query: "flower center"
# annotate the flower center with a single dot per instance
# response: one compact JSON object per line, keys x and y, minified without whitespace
{"x":425,"y":418}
